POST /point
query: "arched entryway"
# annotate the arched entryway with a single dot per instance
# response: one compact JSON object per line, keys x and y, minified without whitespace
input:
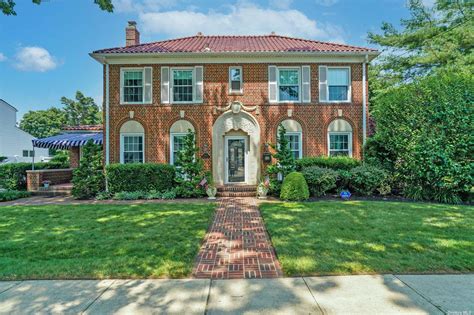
{"x":236,"y":149}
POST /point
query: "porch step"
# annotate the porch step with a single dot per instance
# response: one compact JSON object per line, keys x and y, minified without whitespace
{"x":54,"y":190}
{"x":237,"y":191}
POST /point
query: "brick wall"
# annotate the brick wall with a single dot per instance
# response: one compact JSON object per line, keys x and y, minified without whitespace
{"x":157,"y":118}
{"x":34,"y":179}
{"x":74,"y":157}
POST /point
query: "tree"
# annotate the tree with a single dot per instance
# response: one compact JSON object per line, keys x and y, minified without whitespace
{"x":88,"y":179}
{"x":430,"y":39}
{"x":82,"y":111}
{"x":43,"y":123}
{"x":8,"y":6}
{"x":189,"y":168}
{"x":286,"y":161}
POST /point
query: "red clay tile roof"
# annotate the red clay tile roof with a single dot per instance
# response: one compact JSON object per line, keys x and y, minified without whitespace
{"x":83,"y":128}
{"x":220,"y":44}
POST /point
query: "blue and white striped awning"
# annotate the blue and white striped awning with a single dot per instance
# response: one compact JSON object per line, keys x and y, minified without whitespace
{"x":68,"y":140}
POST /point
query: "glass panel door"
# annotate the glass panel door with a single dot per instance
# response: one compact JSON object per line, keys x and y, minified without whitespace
{"x":236,"y":160}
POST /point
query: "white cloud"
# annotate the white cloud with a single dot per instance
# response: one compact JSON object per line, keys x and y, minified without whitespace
{"x":34,"y":59}
{"x":2,"y":57}
{"x":326,"y":3}
{"x":281,"y":4}
{"x":242,"y":18}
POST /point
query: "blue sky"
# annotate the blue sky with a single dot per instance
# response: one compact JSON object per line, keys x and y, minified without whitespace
{"x":44,"y":49}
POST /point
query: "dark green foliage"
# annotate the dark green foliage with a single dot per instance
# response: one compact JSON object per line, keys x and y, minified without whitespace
{"x":88,"y":179}
{"x":320,"y":180}
{"x":332,"y":162}
{"x":43,"y":123}
{"x":189,"y":169}
{"x":365,"y":179}
{"x":294,"y":187}
{"x":285,"y":162}
{"x":140,"y":177}
{"x":425,"y":137}
{"x":137,"y":195}
{"x":9,"y":195}
{"x":8,"y":6}
{"x":2,"y":158}
{"x":13,"y":175}
{"x":61,"y":156}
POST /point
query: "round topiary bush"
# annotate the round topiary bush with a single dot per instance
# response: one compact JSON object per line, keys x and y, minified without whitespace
{"x":320,"y":179}
{"x":294,"y":187}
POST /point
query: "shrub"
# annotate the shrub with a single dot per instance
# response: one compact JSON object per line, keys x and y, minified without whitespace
{"x":13,"y":175}
{"x":8,"y":195}
{"x":2,"y":158}
{"x":425,"y":136}
{"x":129,"y":195}
{"x":320,"y":180}
{"x":332,"y":162}
{"x":140,"y":177}
{"x":366,"y":179}
{"x":294,"y":187}
{"x":88,"y":179}
{"x":190,"y":169}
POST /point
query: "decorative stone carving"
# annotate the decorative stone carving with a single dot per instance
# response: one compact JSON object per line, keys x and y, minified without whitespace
{"x":236,"y":107}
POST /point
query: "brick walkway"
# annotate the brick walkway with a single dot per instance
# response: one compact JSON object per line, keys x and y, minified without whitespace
{"x":237,"y":244}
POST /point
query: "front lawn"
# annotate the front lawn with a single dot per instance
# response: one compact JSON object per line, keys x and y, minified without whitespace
{"x":101,"y":241}
{"x":333,"y":237}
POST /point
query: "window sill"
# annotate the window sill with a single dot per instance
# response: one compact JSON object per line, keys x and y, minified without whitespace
{"x":236,"y":93}
{"x":135,"y":104}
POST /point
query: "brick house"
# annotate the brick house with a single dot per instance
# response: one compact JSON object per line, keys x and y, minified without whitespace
{"x":234,"y":92}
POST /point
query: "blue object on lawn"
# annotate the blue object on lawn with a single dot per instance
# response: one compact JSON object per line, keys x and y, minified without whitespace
{"x":345,"y":194}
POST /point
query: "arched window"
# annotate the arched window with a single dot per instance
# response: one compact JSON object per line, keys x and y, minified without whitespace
{"x":339,"y":138}
{"x":132,"y":142}
{"x":294,"y":134}
{"x":177,"y":133}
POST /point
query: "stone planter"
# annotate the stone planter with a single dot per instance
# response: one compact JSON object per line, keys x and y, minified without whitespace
{"x":211,"y":192}
{"x":262,"y":192}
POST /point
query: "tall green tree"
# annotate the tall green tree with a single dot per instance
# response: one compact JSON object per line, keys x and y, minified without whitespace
{"x":8,"y":6}
{"x":431,"y":38}
{"x":81,"y":111}
{"x":88,"y":179}
{"x":43,"y":123}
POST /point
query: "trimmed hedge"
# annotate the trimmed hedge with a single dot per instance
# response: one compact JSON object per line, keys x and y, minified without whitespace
{"x":320,"y":179}
{"x":9,"y":195}
{"x":332,"y":162}
{"x":13,"y":175}
{"x":140,"y":177}
{"x":366,"y":179}
{"x":294,"y":187}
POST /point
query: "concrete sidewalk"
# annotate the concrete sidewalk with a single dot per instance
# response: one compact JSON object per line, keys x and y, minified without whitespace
{"x":387,"y":294}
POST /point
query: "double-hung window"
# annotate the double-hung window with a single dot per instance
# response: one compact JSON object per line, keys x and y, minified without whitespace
{"x":289,"y":84}
{"x":132,"y":150}
{"x":339,"y":143}
{"x":235,"y":80}
{"x":294,"y":143}
{"x":28,"y":153}
{"x":136,"y":85}
{"x":177,"y":145}
{"x":338,"y":84}
{"x":182,"y":85}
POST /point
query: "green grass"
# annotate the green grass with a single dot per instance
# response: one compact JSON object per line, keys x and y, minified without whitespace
{"x":101,"y":241}
{"x":332,"y":237}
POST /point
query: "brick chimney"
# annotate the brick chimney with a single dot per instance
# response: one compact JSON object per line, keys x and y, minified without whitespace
{"x":132,"y":35}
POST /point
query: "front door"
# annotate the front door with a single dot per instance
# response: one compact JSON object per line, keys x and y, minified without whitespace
{"x":235,"y":163}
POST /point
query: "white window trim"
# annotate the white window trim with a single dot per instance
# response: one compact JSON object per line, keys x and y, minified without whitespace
{"x":172,"y":135}
{"x":340,"y":133}
{"x":122,"y":135}
{"x":278,"y":83}
{"x":349,"y":90}
{"x":300,"y":140}
{"x":171,"y":86}
{"x":122,"y":79}
{"x":241,"y":80}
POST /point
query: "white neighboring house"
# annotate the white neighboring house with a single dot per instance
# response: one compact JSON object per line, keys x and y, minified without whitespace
{"x":15,"y":144}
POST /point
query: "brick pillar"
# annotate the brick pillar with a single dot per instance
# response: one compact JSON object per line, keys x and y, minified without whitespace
{"x":33,"y":180}
{"x":74,"y":157}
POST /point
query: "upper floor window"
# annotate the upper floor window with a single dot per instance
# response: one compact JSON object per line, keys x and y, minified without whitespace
{"x":334,"y":84}
{"x":338,"y":84}
{"x":235,"y":80}
{"x":289,"y":84}
{"x":182,"y":80}
{"x":136,"y":87}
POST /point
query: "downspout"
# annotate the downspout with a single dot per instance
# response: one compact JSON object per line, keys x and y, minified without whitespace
{"x":364,"y":101}
{"x":107,"y":124}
